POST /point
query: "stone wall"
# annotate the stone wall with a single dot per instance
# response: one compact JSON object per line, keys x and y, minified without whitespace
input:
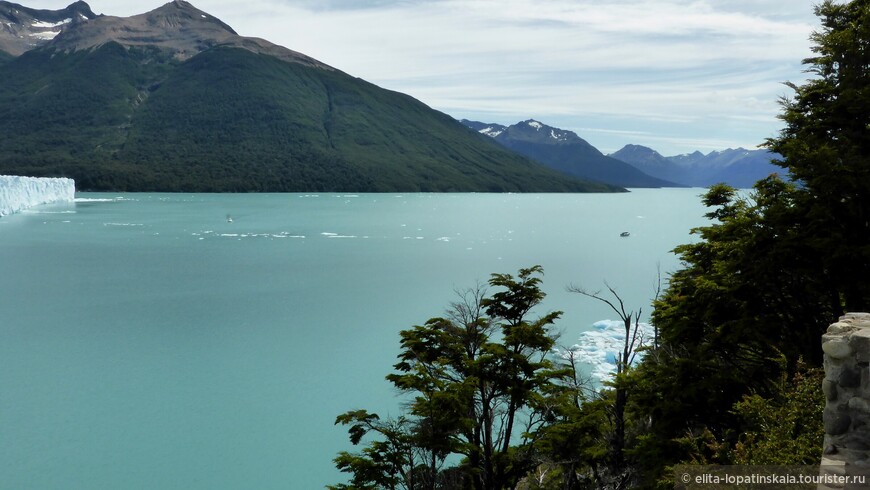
{"x":847,"y":389}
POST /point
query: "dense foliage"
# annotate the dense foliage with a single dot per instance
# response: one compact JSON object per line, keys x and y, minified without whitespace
{"x":484,"y":393}
{"x":231,"y":120}
{"x":757,"y":291}
{"x":826,"y":145}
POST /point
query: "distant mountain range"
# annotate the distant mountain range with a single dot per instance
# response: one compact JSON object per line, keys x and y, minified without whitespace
{"x":566,"y":152}
{"x":739,"y":168}
{"x":633,"y":165}
{"x":175,"y":100}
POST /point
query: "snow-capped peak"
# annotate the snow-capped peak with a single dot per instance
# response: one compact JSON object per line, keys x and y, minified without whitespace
{"x":26,"y":28}
{"x":535,"y":124}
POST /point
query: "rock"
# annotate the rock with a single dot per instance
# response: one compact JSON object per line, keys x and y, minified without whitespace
{"x":860,"y":405}
{"x":841,"y":327}
{"x":859,"y":341}
{"x":830,"y":389}
{"x":836,"y":346}
{"x":836,"y":423}
{"x":849,"y":378}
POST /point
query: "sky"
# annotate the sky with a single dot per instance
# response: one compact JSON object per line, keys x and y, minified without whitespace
{"x":674,"y":75}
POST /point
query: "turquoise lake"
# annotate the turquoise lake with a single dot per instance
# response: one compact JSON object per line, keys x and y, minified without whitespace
{"x":146,"y":341}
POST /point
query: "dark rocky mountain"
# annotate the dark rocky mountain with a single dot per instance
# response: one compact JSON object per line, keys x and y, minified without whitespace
{"x":739,"y":167}
{"x":177,"y":27}
{"x":175,"y":100}
{"x":651,"y":162}
{"x":23,"y":28}
{"x":566,"y":152}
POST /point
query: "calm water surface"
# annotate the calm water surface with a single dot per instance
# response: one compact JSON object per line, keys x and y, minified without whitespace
{"x":148,"y":342}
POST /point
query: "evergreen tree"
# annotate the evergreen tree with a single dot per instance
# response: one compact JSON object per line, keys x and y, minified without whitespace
{"x":482,"y":385}
{"x":825,"y":145}
{"x":775,"y":268}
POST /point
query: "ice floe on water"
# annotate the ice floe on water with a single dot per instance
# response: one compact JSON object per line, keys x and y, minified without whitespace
{"x":281,"y":235}
{"x":601,"y":347}
{"x":19,"y":193}
{"x":213,"y":234}
{"x":34,"y":211}
{"x":98,"y":199}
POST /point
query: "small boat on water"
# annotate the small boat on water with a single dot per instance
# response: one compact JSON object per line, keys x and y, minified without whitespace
{"x":624,"y":234}
{"x":229,"y":219}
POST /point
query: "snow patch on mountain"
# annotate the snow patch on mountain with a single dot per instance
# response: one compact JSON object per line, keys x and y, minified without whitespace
{"x":558,"y":135}
{"x":18,"y":193}
{"x":491,"y":131}
{"x":535,"y":124}
{"x":49,"y":25}
{"x":45,"y":35}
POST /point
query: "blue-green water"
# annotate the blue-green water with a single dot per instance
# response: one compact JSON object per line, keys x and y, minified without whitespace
{"x":148,"y":342}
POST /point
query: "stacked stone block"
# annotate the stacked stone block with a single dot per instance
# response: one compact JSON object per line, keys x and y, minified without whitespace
{"x":847,"y":389}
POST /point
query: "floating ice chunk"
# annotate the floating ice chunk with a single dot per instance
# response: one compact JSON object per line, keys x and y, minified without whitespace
{"x":18,"y":193}
{"x":602,"y":346}
{"x":31,"y":211}
{"x":92,"y":199}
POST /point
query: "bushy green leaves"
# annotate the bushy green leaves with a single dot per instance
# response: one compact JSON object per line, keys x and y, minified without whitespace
{"x":786,"y":428}
{"x":765,"y":280}
{"x":752,"y":299}
{"x":383,"y":463}
{"x":825,"y":145}
{"x":483,"y":388}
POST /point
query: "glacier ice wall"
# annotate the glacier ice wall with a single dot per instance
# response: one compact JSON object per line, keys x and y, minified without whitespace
{"x":17,"y":193}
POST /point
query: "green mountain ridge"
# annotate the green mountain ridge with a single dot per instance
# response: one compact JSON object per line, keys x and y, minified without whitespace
{"x":240,"y":115}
